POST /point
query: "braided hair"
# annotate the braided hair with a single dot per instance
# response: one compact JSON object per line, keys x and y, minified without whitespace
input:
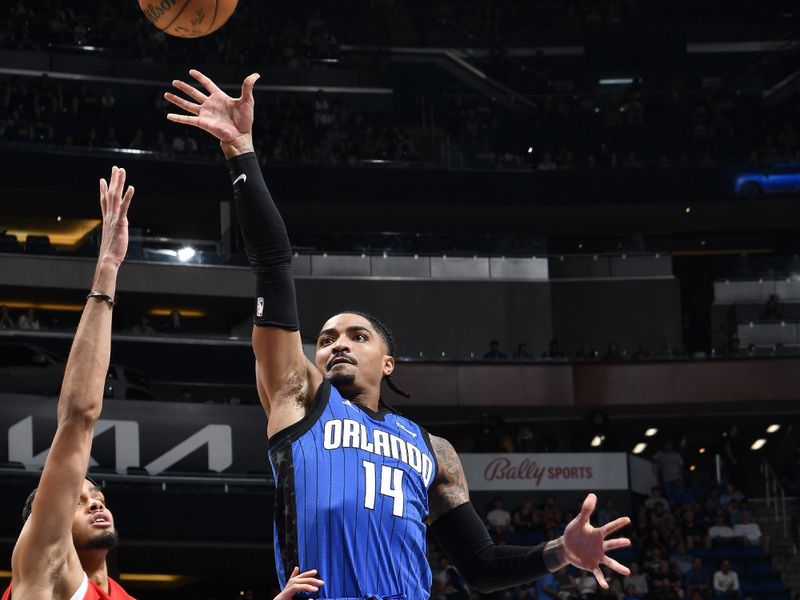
{"x":388,"y":338}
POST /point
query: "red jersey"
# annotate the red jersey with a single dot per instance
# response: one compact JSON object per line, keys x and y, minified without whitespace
{"x":115,"y":592}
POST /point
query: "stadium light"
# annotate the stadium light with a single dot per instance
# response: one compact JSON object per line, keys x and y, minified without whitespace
{"x":186,"y":254}
{"x":617,"y":81}
{"x":650,"y":432}
{"x":773,"y":428}
{"x":758,"y":444}
{"x":597,"y":440}
{"x":639,"y":448}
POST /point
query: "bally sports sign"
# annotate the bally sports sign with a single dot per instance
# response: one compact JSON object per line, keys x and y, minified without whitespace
{"x":554,"y":472}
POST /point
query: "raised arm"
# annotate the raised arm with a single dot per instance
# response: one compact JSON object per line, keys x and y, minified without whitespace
{"x":44,"y":554}
{"x":286,"y":379}
{"x":488,"y":567}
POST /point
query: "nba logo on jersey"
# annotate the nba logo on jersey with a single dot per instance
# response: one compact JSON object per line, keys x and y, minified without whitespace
{"x":260,"y":307}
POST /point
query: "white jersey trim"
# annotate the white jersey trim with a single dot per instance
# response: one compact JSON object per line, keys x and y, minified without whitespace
{"x":80,"y":593}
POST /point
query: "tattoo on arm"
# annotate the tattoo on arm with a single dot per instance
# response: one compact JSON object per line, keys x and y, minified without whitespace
{"x":449,"y":489}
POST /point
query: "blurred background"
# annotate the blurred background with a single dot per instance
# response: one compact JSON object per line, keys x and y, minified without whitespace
{"x":579,"y":218}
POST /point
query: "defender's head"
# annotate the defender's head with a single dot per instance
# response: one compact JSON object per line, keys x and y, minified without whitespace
{"x":92,"y":524}
{"x":356,"y":352}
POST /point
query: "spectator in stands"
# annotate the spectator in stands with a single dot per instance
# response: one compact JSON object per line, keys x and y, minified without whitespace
{"x":681,"y":558}
{"x":631,"y":593}
{"x":697,"y":579}
{"x":665,"y":584}
{"x":693,"y":530}
{"x":613,"y":352}
{"x":668,"y":350}
{"x":441,"y":579}
{"x":726,"y":582}
{"x":730,"y":494}
{"x":143,"y":327}
{"x":669,"y":463}
{"x":5,"y":318}
{"x":525,"y":441}
{"x":494,"y":352}
{"x":565,"y":584}
{"x":553,"y":350}
{"x":551,"y":515}
{"x":522,"y":352}
{"x":525,"y":518}
{"x":656,"y":499}
{"x":547,"y":164}
{"x":749,"y":532}
{"x":608,"y":513}
{"x":173,"y":324}
{"x":29,"y":321}
{"x":546,"y":588}
{"x":498,"y":520}
{"x":636,"y":579}
{"x":679,"y":494}
{"x":720,"y":529}
{"x":641,"y":352}
{"x":586,"y":584}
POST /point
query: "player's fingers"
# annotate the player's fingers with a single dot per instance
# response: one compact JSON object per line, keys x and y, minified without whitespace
{"x":190,"y":91}
{"x":601,"y":580}
{"x":183,"y":119}
{"x":616,"y":544}
{"x":614,"y":525}
{"x":204,"y":81}
{"x":309,"y":580}
{"x":189,"y":107}
{"x":618,"y":567}
{"x":588,"y":507}
{"x":126,"y":200}
{"x":103,"y":195}
{"x":113,"y":185}
{"x":309,"y":573}
{"x":247,"y":87}
{"x":305,"y":587}
{"x":295,"y":571}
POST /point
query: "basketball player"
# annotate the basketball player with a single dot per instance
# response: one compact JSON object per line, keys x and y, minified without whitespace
{"x":68,"y":530}
{"x":356,"y":481}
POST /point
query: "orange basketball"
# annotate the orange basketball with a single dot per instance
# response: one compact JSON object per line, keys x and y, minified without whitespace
{"x":188,"y":18}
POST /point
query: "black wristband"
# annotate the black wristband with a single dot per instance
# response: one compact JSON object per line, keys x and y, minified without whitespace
{"x":105,"y":297}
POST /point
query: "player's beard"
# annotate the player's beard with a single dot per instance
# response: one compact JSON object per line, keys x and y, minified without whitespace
{"x":104,"y":540}
{"x":342,"y":380}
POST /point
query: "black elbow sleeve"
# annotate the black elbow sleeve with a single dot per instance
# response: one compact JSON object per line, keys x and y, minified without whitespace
{"x":266,"y":243}
{"x":484,"y":565}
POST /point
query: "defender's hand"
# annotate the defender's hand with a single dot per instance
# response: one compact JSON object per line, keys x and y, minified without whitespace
{"x":300,"y":582}
{"x":585,"y":546}
{"x":230,"y":120}
{"x":114,"y":206}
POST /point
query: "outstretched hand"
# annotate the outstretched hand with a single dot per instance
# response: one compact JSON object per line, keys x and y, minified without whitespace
{"x":300,"y":582}
{"x":585,"y":546}
{"x":114,"y":206}
{"x":228,"y":119}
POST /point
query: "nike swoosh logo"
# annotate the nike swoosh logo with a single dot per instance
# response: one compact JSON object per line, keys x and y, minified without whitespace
{"x":242,"y":178}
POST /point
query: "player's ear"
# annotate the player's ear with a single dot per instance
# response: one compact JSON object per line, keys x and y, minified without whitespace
{"x":388,"y":365}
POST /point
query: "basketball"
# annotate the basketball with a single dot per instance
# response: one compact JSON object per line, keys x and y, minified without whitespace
{"x":188,"y":18}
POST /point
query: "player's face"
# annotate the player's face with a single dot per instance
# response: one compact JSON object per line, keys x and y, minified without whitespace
{"x":351,"y":353}
{"x":93,"y":525}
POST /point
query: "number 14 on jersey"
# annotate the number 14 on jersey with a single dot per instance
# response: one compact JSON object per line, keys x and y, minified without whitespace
{"x":391,"y":486}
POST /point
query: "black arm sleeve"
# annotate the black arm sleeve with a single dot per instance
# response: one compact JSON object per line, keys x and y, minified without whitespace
{"x":267,"y":244}
{"x":485,"y":566}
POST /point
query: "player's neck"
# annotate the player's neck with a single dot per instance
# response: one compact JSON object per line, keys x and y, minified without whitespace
{"x":368,"y":398}
{"x":94,"y":564}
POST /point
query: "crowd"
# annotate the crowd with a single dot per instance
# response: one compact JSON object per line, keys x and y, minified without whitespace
{"x":688,"y":543}
{"x":79,"y":114}
{"x":612,"y":352}
{"x":624,"y":131}
{"x":278,"y":33}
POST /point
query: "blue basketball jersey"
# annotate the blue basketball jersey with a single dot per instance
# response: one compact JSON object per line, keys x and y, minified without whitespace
{"x":351,"y":496}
